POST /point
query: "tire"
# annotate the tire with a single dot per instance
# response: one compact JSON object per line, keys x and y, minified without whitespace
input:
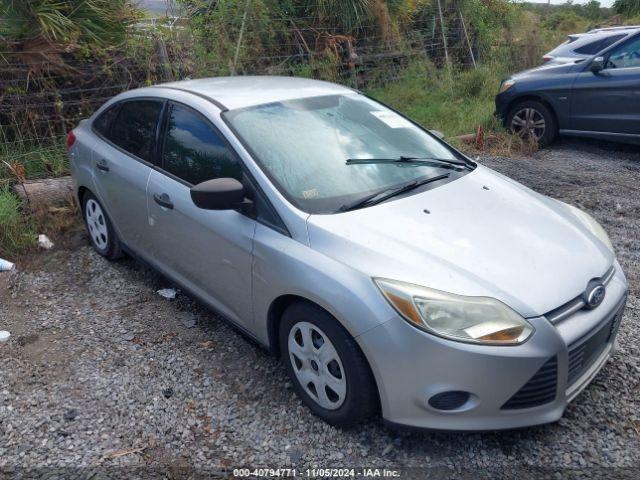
{"x":354,"y":396}
{"x":101,"y":233}
{"x":523,"y":117}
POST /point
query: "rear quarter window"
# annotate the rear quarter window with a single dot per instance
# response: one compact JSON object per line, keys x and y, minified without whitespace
{"x":103,"y":122}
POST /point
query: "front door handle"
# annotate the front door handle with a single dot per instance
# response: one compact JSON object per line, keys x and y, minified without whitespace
{"x":102,"y":165}
{"x":163,"y":200}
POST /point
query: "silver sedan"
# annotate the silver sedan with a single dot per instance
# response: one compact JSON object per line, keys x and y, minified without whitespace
{"x":389,"y":271}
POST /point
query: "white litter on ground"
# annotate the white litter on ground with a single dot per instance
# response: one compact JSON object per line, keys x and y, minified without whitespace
{"x":6,"y":265}
{"x":44,"y":242}
{"x":4,"y":336}
{"x":168,"y":293}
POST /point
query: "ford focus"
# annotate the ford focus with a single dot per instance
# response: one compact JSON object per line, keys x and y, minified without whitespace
{"x":390,"y":272}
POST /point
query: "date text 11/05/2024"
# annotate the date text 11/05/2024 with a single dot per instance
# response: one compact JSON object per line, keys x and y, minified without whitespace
{"x":316,"y":473}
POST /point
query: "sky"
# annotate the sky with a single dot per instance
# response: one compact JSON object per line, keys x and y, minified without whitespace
{"x":604,"y":3}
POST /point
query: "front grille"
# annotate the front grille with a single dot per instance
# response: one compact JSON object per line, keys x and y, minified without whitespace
{"x":540,"y":389}
{"x":572,"y":306}
{"x":584,"y":351}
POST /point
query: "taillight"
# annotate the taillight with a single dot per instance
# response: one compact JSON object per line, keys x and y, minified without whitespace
{"x":546,"y":58}
{"x":71,"y":139}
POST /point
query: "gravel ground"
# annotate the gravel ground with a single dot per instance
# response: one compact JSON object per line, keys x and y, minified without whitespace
{"x":102,"y":371}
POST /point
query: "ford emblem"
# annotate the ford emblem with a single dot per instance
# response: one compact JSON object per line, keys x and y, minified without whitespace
{"x":595,"y":296}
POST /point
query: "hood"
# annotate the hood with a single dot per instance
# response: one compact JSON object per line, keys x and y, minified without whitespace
{"x":549,"y":68}
{"x":555,"y":61}
{"x":484,"y":235}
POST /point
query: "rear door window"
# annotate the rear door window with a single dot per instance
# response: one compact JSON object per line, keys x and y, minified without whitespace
{"x":134,"y":128}
{"x":193,"y":149}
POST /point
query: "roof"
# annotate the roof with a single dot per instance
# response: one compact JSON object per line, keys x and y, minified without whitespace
{"x":245,"y":91}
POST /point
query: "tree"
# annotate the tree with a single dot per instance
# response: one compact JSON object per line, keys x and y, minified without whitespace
{"x":627,"y":7}
{"x":65,"y":22}
{"x":592,"y":10}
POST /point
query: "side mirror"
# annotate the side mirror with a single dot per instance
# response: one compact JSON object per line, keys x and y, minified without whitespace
{"x":218,"y":194}
{"x":597,"y":64}
{"x":437,"y":133}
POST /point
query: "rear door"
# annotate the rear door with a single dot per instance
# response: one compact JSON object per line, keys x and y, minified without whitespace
{"x":123,"y":162}
{"x":609,"y":100}
{"x":209,"y":252}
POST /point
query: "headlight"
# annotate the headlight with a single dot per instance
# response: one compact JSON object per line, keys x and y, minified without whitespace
{"x":506,"y":85}
{"x":592,"y":224}
{"x":480,"y":320}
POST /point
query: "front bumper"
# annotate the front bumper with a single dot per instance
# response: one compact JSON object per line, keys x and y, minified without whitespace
{"x":411,"y":366}
{"x":502,"y":101}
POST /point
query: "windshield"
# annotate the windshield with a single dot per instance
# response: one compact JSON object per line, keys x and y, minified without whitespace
{"x":304,"y":145}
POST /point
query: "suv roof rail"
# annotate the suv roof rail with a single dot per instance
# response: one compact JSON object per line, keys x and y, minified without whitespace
{"x":613,"y":29}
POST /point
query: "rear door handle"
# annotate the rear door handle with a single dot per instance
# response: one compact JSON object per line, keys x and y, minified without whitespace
{"x":163,"y":200}
{"x":102,"y":165}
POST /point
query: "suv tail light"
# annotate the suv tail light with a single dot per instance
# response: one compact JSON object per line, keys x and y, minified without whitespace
{"x":547,"y":58}
{"x":71,"y":139}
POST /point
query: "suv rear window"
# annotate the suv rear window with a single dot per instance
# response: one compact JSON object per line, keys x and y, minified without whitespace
{"x":135,"y":126}
{"x":599,"y":45}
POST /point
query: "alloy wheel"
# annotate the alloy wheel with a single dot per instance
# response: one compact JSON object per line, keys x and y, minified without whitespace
{"x":97,"y":224}
{"x":317,"y":365}
{"x":528,"y":122}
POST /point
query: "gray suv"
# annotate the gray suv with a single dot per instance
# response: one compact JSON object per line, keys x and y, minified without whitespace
{"x":597,"y":97}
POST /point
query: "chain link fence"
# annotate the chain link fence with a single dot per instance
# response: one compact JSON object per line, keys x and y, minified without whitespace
{"x":45,"y":92}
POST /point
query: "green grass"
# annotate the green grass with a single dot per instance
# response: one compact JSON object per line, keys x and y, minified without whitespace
{"x":16,"y":232}
{"x":36,"y":161}
{"x":452,"y":101}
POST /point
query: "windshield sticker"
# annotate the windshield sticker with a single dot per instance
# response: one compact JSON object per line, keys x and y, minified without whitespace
{"x":313,"y":193}
{"x":392,"y":119}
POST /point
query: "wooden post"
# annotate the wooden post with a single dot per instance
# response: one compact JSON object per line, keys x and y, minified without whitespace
{"x":444,"y":36}
{"x":244,"y":21}
{"x":164,"y":59}
{"x":466,"y":35}
{"x":46,"y":191}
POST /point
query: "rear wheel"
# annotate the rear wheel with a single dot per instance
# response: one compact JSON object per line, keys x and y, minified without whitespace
{"x":103,"y":238}
{"x":533,"y":120}
{"x":326,"y":366}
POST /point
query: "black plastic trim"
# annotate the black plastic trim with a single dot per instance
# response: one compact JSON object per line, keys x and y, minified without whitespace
{"x":539,"y":390}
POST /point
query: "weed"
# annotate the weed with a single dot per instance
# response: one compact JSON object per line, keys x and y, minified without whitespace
{"x":16,"y":230}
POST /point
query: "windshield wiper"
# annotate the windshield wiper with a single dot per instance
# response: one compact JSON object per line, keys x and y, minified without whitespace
{"x":388,"y":193}
{"x":439,"y":162}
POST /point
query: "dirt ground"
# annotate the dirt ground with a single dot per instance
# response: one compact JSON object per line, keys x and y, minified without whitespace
{"x":102,"y":371}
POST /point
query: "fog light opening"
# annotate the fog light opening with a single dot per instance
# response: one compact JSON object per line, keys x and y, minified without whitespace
{"x":447,"y":401}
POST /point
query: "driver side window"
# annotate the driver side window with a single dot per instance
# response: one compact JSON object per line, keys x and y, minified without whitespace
{"x":625,"y":56}
{"x":193,"y":151}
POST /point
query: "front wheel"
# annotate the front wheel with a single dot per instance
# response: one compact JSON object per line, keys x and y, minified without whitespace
{"x":326,"y":366}
{"x":533,"y":120}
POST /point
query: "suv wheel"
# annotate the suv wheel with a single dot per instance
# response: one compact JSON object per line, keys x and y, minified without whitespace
{"x":533,"y":120}
{"x":103,"y":238}
{"x":326,"y":366}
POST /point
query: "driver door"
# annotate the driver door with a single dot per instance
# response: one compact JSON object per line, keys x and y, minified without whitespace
{"x":209,"y":252}
{"x":609,"y":100}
